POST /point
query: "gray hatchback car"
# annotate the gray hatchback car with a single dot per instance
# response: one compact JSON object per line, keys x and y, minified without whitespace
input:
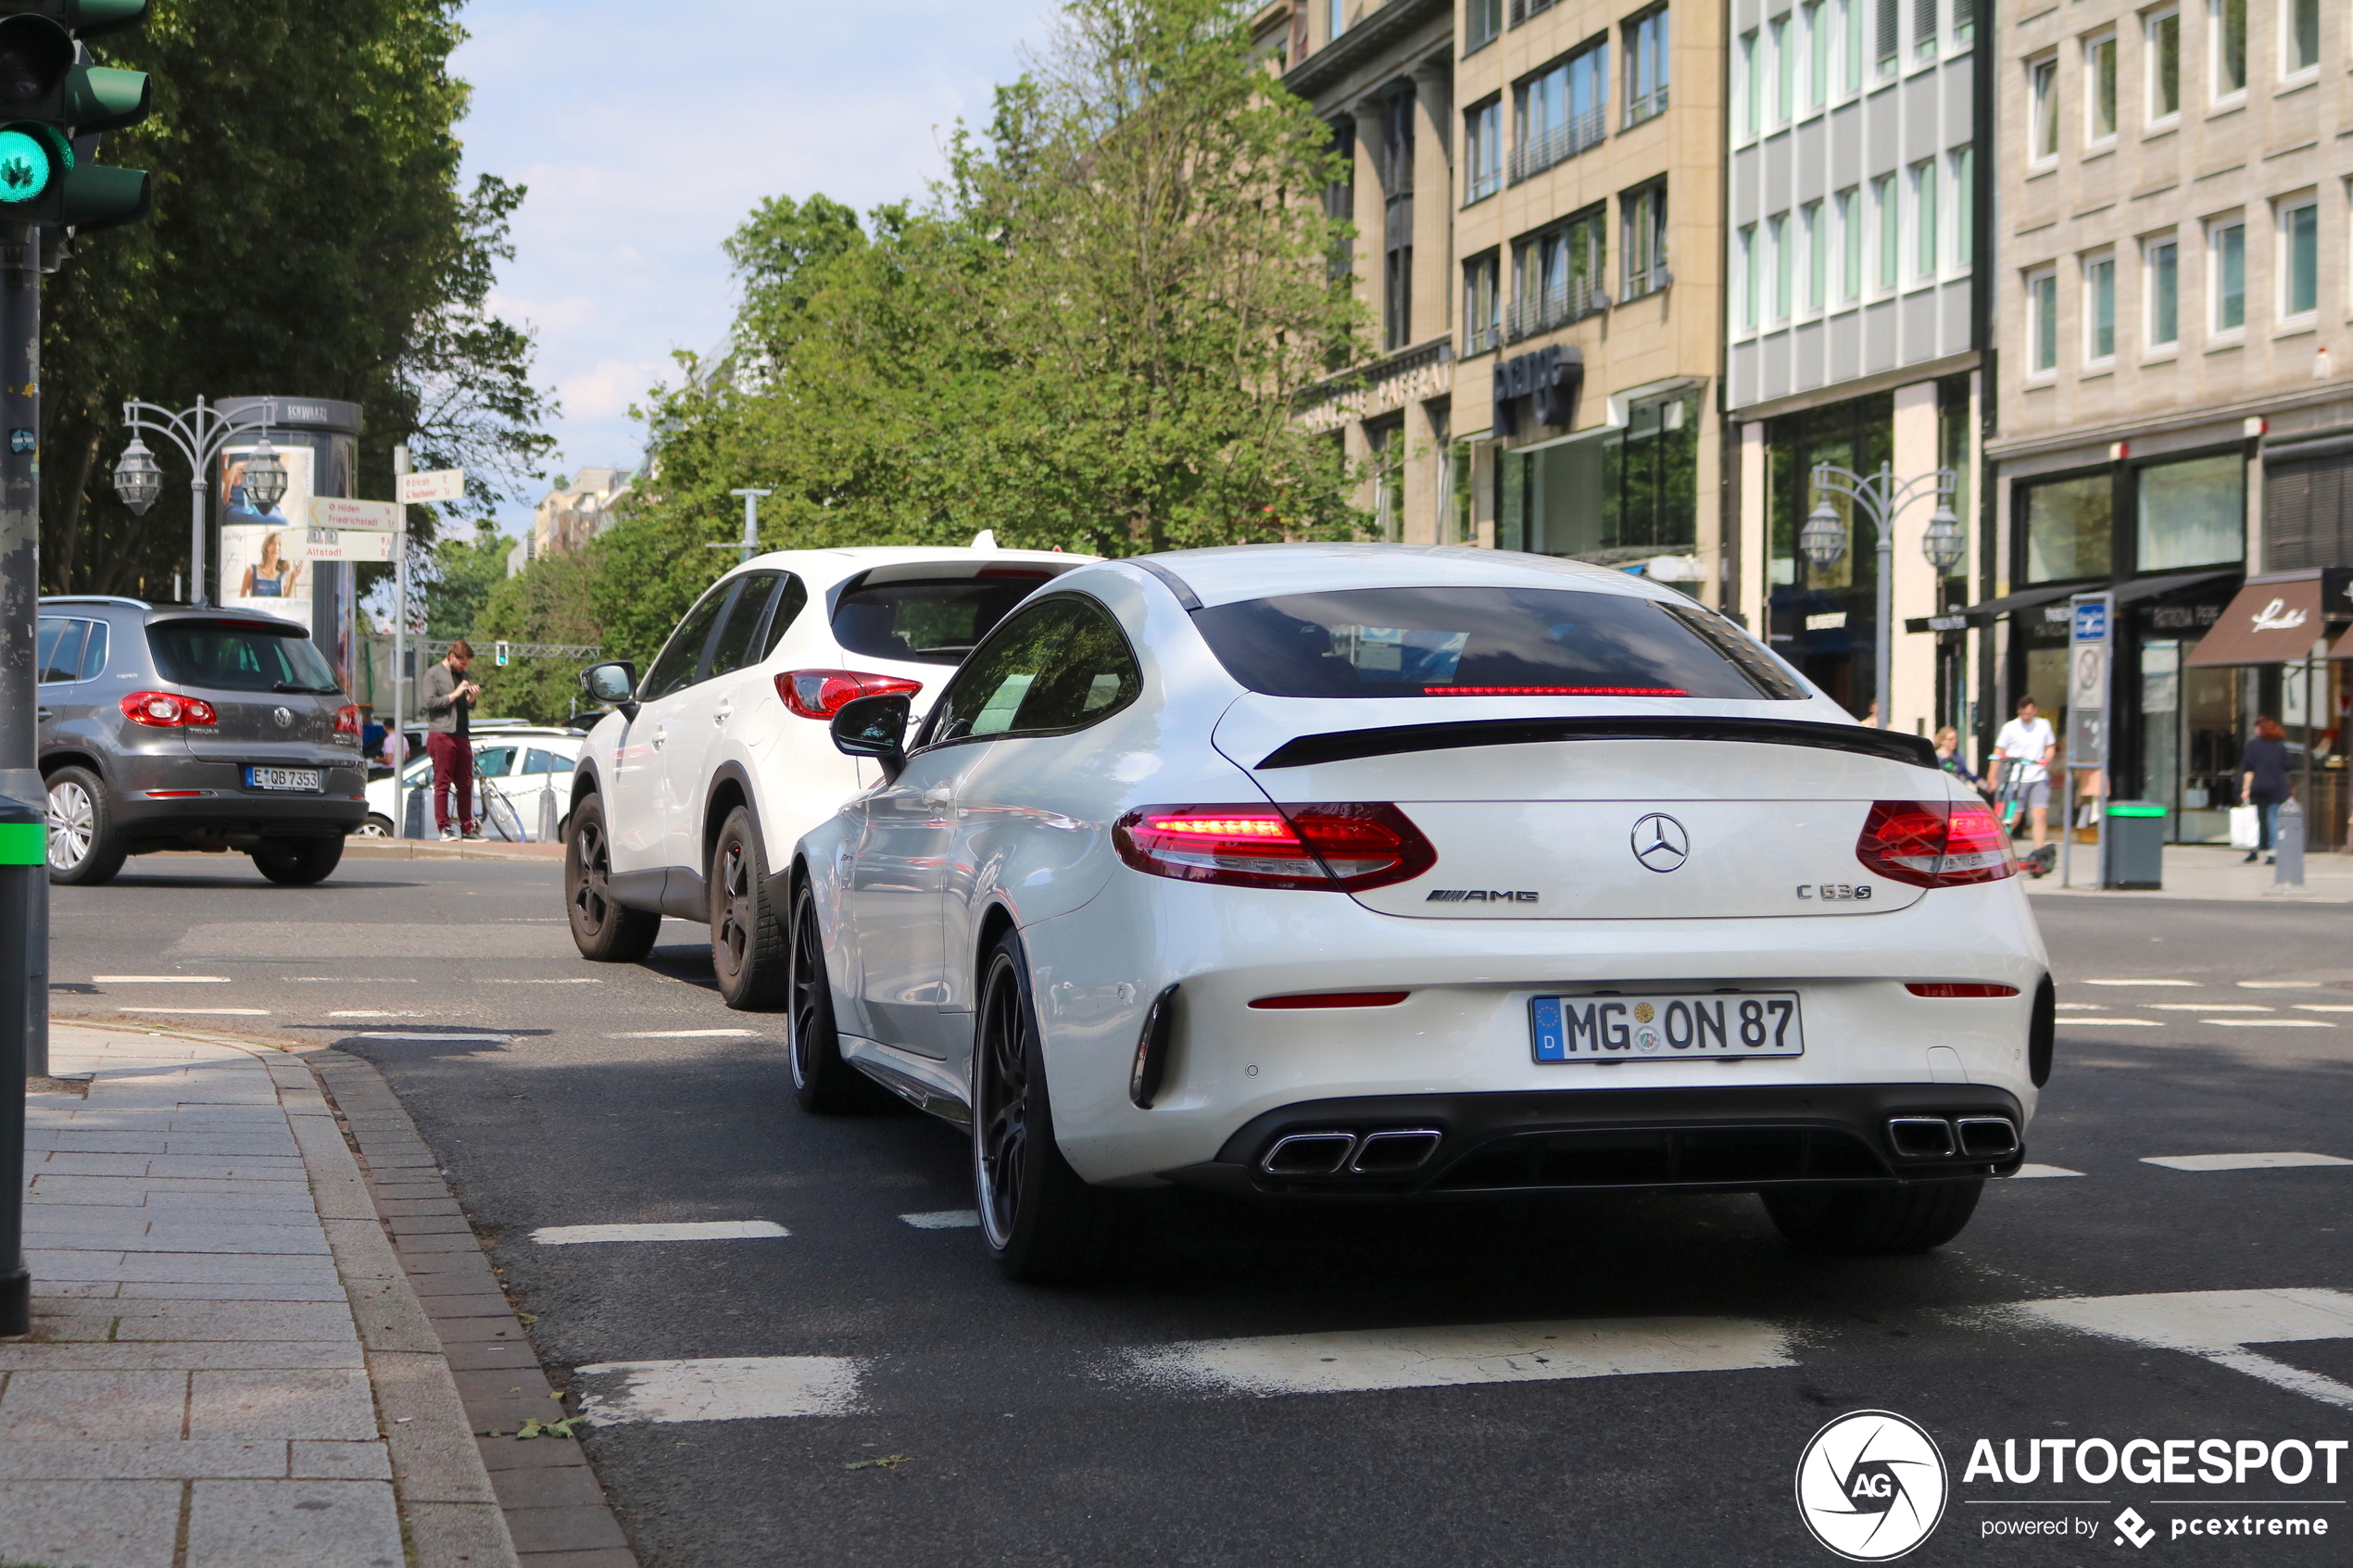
{"x":164,"y":727}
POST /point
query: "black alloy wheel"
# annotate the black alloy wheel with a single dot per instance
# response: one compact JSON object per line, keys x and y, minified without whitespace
{"x":746,"y":940}
{"x":604,"y":930}
{"x":1041,"y":1222}
{"x":822,"y":1080}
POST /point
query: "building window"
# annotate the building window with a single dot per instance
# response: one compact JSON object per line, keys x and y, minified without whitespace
{"x":1482,"y":303}
{"x":1818,"y":55}
{"x":1777,"y":257}
{"x":2300,"y":33}
{"x":1964,"y":20}
{"x":1644,"y":212}
{"x":1924,"y":29}
{"x":1748,"y":277}
{"x":2226,"y":272}
{"x":1784,"y":71}
{"x":1647,"y":56}
{"x":1851,"y":46}
{"x":1397,"y":239}
{"x":1340,"y":203}
{"x":2099,"y":89}
{"x":1850,"y":235}
{"x":2099,"y":308}
{"x":2042,"y":77}
{"x":1557,"y":274}
{"x":2042,"y":324}
{"x":1887,"y":47}
{"x":1482,"y":151}
{"x":1923,"y":182}
{"x":1561,"y":110}
{"x":2071,"y":528}
{"x":2192,"y":513}
{"x":1388,"y":444}
{"x":1818,"y":256}
{"x":1482,"y":22}
{"x":1336,"y":11}
{"x":2165,"y":65}
{"x":1523,"y":10}
{"x":2227,"y":29}
{"x":1748,"y":86}
{"x":2161,"y":273}
{"x":2300,"y":258}
{"x":1650,"y":475}
{"x":1891,"y":238}
{"x":1964,"y":162}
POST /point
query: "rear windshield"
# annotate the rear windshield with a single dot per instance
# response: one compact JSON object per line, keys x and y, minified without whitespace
{"x":1487,"y":642}
{"x":928,"y":621}
{"x":237,"y":656}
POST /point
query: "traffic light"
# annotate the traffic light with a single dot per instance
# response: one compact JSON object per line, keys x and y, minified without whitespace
{"x":53,"y":104}
{"x":498,"y":654}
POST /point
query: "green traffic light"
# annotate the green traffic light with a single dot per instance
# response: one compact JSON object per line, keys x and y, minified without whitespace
{"x":24,"y":166}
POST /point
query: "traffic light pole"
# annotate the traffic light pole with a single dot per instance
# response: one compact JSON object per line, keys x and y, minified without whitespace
{"x":24,"y":873}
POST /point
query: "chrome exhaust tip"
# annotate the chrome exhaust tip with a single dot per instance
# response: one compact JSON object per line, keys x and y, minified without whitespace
{"x":1308,"y":1154}
{"x":1920,"y":1137}
{"x":1988,"y":1137}
{"x":1394,"y":1152}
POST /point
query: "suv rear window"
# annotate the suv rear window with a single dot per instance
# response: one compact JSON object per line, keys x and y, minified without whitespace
{"x":1487,"y":642}
{"x":930,"y":621}
{"x":236,"y":655}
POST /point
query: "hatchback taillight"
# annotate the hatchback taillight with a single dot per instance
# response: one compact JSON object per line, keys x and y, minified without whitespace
{"x":347,"y":720}
{"x":164,"y":710}
{"x":821,"y":694}
{"x":1342,"y":847}
{"x":1935,"y":843}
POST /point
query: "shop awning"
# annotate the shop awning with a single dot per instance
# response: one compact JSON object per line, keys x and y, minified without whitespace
{"x":2157,"y":587}
{"x":2266,"y":623}
{"x":1986,"y":613}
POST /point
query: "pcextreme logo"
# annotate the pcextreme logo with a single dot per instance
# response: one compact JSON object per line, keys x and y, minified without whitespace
{"x":1871,"y":1486}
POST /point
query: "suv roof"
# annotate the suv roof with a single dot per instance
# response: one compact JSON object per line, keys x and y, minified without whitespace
{"x":118,"y":602}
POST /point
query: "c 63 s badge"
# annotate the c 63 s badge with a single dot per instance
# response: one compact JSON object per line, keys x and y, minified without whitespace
{"x":1835,"y":892}
{"x":1871,"y":1486}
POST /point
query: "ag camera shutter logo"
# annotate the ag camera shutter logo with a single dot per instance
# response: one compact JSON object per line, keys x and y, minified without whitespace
{"x":1871,"y":1486}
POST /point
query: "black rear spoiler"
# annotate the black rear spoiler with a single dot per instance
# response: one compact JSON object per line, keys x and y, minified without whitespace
{"x":1343,"y":746}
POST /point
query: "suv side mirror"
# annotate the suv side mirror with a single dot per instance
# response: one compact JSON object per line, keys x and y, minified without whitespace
{"x":875,"y":727}
{"x":615,"y":682}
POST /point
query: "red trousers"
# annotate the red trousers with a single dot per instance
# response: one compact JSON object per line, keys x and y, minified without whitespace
{"x":453,"y":765}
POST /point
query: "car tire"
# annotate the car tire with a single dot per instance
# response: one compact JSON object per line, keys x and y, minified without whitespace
{"x":747,"y":943}
{"x":378,"y":825}
{"x":297,"y":863}
{"x":822,"y":1080}
{"x":604,"y":930}
{"x":1855,"y":1221}
{"x":1040,"y":1222}
{"x":84,"y":847}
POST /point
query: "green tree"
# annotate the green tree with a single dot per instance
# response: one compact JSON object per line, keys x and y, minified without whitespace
{"x":548,"y":601}
{"x":458,"y":581}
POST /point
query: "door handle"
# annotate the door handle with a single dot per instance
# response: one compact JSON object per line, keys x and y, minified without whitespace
{"x":661,"y":732}
{"x":720,"y":716}
{"x":40,"y":713}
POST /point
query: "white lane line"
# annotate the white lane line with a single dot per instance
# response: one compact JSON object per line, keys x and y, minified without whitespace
{"x":2279,"y":984}
{"x":349,"y":979}
{"x":2034,"y":1172}
{"x":2270,"y":1022}
{"x":576,"y":980}
{"x":209,"y":1013}
{"x":687,"y":1034}
{"x":2241,"y":1161}
{"x":2206,"y":1007}
{"x":2082,"y":1007}
{"x":158,"y":979}
{"x":1363,"y":1360}
{"x":2219,"y":1325}
{"x":388,"y":1035}
{"x":684,"y":1229}
{"x":723,"y":1388}
{"x":2324,"y":1007}
{"x":2111,"y":1023}
{"x":2140,"y":982}
{"x":944,"y":1220}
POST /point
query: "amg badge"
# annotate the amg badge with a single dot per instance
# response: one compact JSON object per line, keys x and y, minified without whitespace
{"x":1478,"y":896}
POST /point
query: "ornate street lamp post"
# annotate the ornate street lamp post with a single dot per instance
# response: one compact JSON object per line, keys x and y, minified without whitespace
{"x":200,"y":433}
{"x":1879,"y":497}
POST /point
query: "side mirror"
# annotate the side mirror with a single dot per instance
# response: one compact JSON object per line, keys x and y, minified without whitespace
{"x":613,"y":682}
{"x":875,"y":727}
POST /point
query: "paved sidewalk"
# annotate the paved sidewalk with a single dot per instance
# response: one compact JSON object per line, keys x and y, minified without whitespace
{"x":2213,"y":870}
{"x":228,"y":1368}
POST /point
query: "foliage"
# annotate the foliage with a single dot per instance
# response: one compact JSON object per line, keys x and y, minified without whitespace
{"x":310,"y":238}
{"x":547,"y":602}
{"x":457,"y":581}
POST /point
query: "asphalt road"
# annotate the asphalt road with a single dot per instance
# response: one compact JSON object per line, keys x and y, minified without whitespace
{"x":1113,"y":1426}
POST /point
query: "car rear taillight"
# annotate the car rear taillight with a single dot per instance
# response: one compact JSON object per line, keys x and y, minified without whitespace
{"x":1935,"y":843}
{"x":1331,"y":1000}
{"x":164,"y":710}
{"x":821,"y":694}
{"x":1343,"y":848}
{"x":347,"y":720}
{"x":1957,"y":988}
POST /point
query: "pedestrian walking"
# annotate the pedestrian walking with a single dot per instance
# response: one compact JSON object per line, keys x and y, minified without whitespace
{"x":449,"y":699}
{"x":1949,"y":758}
{"x":2263,"y":780}
{"x":2022,"y":755}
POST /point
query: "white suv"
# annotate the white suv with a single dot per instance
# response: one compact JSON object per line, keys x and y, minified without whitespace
{"x":689,"y":796}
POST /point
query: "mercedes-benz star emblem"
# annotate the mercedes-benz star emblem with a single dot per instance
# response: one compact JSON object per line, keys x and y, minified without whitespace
{"x":283,"y":716}
{"x":1660,"y":843}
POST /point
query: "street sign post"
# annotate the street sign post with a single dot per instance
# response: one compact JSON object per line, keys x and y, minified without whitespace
{"x":342,"y":529}
{"x":410,"y":489}
{"x":2091,"y":641}
{"x":425,"y":489}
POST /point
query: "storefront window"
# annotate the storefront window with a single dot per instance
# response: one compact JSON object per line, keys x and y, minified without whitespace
{"x":2070,"y":528}
{"x":1821,"y":616}
{"x":1610,"y":496}
{"x":2193,"y":513}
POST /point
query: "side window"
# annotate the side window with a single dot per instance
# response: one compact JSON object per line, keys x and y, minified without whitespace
{"x":94,"y":652}
{"x":681,"y":657}
{"x":789,"y":606}
{"x":731,"y":650}
{"x":57,"y":650}
{"x":494,"y":762}
{"x":1058,"y":665}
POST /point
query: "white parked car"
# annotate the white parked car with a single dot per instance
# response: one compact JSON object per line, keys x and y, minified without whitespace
{"x":1332,"y":871}
{"x":514,"y":765}
{"x":690,"y":799}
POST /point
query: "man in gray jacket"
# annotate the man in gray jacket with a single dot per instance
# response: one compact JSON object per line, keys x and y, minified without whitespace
{"x":449,"y":698}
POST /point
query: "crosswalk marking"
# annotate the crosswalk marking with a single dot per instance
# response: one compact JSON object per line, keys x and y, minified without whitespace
{"x":2218,"y":1325}
{"x":686,"y":1035}
{"x":683,"y":1230}
{"x":944,"y":1220}
{"x":723,"y":1388}
{"x":2140,"y":982}
{"x":2324,"y":1007}
{"x":2268,"y":1023}
{"x":2206,"y":1007}
{"x":2240,"y":1161}
{"x":2033,"y":1172}
{"x":205,"y":1013}
{"x":2279,"y":984}
{"x":1362,"y":1360}
{"x":2111,"y":1023}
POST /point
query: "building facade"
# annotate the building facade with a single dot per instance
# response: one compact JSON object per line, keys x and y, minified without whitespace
{"x":2174,"y":423}
{"x":575,"y":511}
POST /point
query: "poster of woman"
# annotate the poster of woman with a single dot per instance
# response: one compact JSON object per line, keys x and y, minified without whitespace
{"x":262,"y":566}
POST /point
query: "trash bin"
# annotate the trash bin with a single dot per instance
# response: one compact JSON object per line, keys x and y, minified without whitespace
{"x":2135,"y":849}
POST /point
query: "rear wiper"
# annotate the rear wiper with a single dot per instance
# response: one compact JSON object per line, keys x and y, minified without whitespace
{"x":314,"y":690}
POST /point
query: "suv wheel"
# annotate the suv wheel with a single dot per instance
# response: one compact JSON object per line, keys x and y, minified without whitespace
{"x":604,"y":930}
{"x":1861,"y":1220}
{"x":85,"y":848}
{"x":746,"y":940}
{"x":297,"y":863}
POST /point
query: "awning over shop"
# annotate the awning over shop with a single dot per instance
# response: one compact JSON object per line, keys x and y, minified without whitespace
{"x":1986,"y":613}
{"x":2157,"y":588}
{"x":2266,"y":623}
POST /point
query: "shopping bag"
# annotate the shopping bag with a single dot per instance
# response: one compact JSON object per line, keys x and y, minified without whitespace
{"x":2246,"y":828}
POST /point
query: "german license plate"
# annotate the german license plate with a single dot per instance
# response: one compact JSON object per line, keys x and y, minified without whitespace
{"x":310,"y":779}
{"x":1666,"y":1027}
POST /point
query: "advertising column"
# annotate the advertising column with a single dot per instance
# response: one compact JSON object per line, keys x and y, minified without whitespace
{"x":264,"y":555}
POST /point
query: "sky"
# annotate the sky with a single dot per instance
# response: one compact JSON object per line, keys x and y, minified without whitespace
{"x":647,"y":133}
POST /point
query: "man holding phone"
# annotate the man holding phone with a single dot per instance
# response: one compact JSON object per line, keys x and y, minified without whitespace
{"x":449,"y":698}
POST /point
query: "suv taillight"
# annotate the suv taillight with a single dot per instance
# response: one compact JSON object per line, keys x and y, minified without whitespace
{"x":1344,"y":848}
{"x":347,"y":720}
{"x":1935,"y":843}
{"x":821,"y":694}
{"x":164,"y":710}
